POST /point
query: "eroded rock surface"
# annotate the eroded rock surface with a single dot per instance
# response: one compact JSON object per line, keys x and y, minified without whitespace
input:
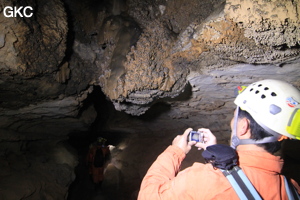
{"x":172,"y":63}
{"x":228,"y":35}
{"x":273,"y":23}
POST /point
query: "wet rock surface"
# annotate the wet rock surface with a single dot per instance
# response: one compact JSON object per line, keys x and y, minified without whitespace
{"x":137,"y":72}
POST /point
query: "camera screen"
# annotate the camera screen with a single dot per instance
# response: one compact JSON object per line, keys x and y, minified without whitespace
{"x":195,"y":136}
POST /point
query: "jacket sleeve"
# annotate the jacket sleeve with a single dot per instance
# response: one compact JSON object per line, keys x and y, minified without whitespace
{"x":159,"y":182}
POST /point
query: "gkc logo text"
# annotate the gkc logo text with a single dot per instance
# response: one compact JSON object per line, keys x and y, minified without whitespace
{"x":15,"y":11}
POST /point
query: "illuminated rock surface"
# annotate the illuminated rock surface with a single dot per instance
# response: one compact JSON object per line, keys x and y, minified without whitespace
{"x":138,"y":73}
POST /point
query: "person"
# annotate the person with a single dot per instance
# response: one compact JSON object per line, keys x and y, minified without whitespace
{"x":97,"y":161}
{"x":267,"y":112}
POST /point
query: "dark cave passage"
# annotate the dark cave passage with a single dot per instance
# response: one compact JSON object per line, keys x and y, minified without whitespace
{"x":83,"y":186}
{"x":113,"y":186}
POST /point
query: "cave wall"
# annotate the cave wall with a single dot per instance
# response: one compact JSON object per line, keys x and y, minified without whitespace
{"x":163,"y":65}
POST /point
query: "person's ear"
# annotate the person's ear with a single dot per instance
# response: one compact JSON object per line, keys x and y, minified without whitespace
{"x":243,"y":126}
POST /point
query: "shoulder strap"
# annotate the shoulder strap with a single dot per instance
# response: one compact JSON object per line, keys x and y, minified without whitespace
{"x":245,"y":190}
{"x":241,"y":184}
{"x":290,"y":190}
{"x":225,"y":158}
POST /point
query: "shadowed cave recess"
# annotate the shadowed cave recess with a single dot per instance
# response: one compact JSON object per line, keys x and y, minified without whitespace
{"x":135,"y":72}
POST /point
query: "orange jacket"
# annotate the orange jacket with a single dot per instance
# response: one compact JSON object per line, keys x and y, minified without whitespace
{"x":202,"y":181}
{"x":92,"y":152}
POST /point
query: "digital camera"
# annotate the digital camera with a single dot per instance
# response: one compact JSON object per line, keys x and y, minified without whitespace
{"x":196,"y":136}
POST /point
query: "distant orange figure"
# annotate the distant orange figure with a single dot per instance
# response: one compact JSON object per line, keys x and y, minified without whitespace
{"x":97,"y":158}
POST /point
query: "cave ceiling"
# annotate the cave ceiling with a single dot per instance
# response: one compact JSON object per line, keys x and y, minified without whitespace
{"x":139,"y":53}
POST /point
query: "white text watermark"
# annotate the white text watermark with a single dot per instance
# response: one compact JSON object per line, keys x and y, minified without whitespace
{"x":15,"y":11}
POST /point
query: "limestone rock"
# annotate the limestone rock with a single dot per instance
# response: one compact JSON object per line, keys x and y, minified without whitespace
{"x":31,"y":47}
{"x":168,"y":64}
{"x":270,"y":23}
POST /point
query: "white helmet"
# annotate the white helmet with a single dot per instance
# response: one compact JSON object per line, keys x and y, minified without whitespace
{"x":274,"y":105}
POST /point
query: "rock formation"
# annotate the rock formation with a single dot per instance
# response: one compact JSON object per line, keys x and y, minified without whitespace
{"x":144,"y":70}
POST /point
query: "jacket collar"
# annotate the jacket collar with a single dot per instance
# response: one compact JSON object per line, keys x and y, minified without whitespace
{"x":260,"y":160}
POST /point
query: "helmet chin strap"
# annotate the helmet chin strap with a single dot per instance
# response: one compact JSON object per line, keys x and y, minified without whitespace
{"x":235,"y":141}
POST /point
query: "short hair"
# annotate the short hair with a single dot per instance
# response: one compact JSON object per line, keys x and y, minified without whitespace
{"x":258,"y":133}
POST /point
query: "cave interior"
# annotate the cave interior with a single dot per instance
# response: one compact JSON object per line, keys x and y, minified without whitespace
{"x":135,"y":72}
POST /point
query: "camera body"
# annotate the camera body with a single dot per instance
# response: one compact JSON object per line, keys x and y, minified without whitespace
{"x":196,"y":136}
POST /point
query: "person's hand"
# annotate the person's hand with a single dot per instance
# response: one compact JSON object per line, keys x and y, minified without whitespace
{"x":208,"y":138}
{"x":181,"y":141}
